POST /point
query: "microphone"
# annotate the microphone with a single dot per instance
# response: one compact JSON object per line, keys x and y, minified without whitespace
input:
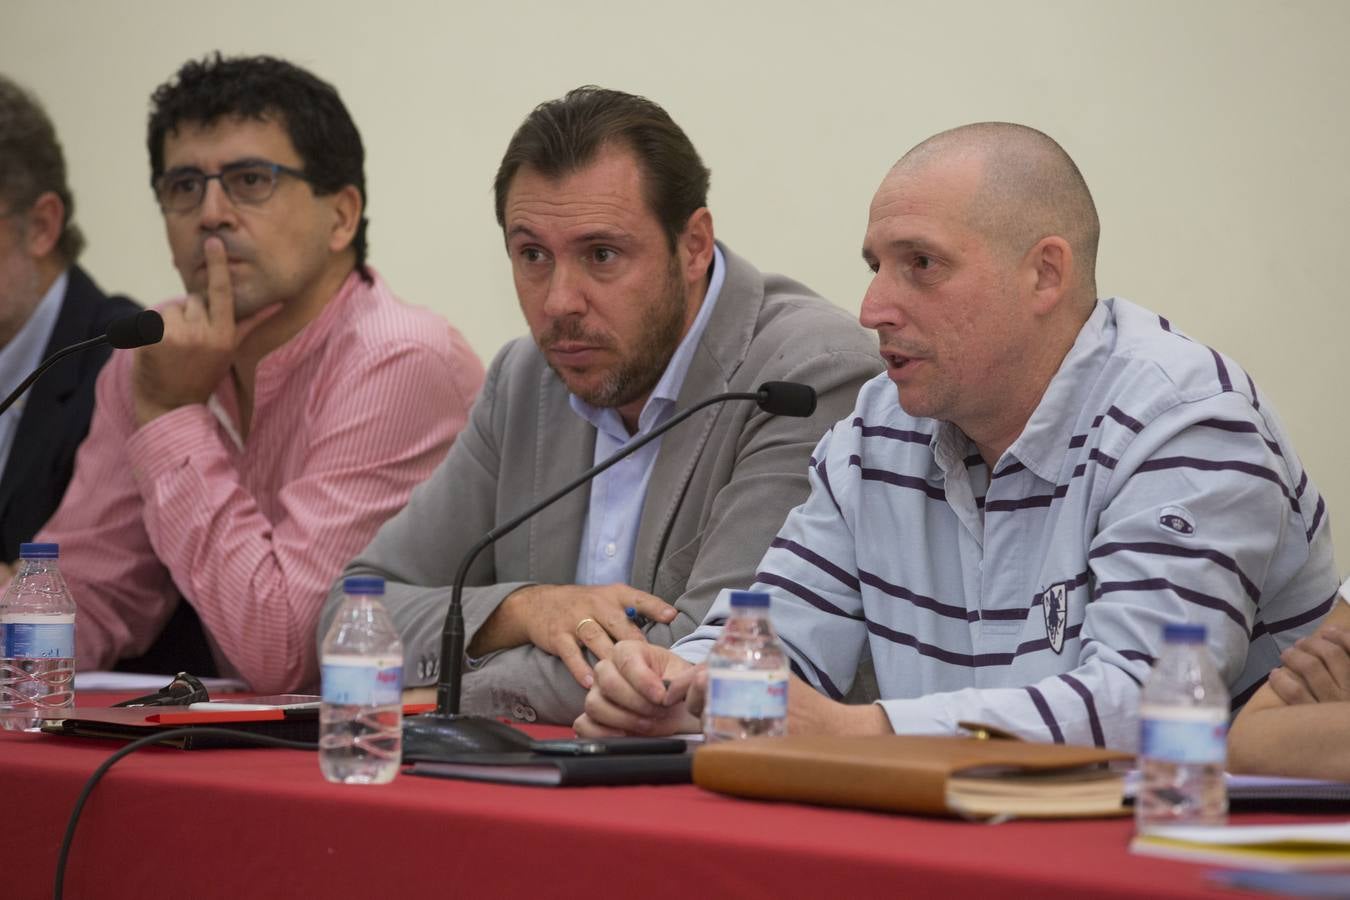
{"x":137,"y":330}
{"x":445,"y":732}
{"x":786,"y":398}
{"x":143,"y":328}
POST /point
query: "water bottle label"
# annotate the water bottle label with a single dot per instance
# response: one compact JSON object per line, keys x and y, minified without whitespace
{"x":1185,"y":735}
{"x":37,"y":637}
{"x":748,"y":693}
{"x":357,"y":681}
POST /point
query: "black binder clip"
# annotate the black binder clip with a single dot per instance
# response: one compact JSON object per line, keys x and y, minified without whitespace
{"x":184,"y":689}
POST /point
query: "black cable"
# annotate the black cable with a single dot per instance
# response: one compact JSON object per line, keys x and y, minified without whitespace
{"x":157,"y":737}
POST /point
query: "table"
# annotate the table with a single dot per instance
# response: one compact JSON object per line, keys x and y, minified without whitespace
{"x":263,"y":823}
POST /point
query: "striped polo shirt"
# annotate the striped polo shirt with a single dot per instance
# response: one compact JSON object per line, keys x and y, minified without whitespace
{"x":1152,"y":484}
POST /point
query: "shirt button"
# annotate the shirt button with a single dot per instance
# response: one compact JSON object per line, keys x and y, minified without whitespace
{"x":610,"y":549}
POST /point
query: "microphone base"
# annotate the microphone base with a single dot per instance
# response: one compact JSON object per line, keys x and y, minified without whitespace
{"x":437,"y":736}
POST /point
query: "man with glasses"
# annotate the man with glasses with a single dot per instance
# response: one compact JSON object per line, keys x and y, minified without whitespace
{"x":46,"y":302}
{"x":290,"y":409}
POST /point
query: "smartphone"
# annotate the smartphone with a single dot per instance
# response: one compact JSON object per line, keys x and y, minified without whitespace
{"x":615,"y":746}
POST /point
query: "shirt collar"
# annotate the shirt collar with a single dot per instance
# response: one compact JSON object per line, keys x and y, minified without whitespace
{"x":662,"y":400}
{"x":950,"y":448}
{"x":274,"y":368}
{"x":23,"y":353}
{"x":1044,"y":442}
{"x":314,"y":333}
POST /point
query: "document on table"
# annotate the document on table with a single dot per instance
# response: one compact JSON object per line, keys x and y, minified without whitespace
{"x":1271,"y":847}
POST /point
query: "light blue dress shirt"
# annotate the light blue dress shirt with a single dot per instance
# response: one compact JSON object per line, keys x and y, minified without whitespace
{"x":22,"y":355}
{"x":618,"y":493}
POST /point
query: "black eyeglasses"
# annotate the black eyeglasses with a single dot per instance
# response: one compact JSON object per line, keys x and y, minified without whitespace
{"x":250,"y":182}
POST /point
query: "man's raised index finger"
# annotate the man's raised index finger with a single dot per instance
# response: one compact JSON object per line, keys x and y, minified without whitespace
{"x":219,"y":291}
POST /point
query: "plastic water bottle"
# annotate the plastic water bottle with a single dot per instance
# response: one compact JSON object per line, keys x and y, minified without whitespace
{"x":37,"y":642}
{"x":747,"y":675}
{"x":1183,"y":743}
{"x":361,"y":717}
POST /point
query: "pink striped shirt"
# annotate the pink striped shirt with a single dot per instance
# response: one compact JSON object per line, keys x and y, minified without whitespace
{"x":348,"y":416}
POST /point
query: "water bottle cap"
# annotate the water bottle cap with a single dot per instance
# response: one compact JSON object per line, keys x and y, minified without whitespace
{"x":363,"y":584}
{"x":39,"y":551}
{"x":1184,"y":634}
{"x":749,"y":598}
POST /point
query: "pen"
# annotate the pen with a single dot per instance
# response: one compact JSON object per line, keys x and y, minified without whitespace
{"x":216,"y":706}
{"x":636,"y":617}
{"x":245,"y":706}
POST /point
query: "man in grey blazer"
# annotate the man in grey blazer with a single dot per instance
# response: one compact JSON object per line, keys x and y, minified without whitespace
{"x":635,"y":312}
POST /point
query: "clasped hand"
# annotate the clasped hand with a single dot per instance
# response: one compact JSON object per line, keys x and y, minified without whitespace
{"x":643,"y":689}
{"x":1316,"y":669}
{"x":648,"y":690}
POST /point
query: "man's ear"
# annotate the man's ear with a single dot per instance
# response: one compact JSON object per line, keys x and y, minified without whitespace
{"x":347,"y":208}
{"x":695,"y":246}
{"x":1049,"y":270}
{"x":44,"y":223}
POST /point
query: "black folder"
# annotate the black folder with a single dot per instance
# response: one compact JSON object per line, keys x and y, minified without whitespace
{"x":130,"y":723}
{"x":552,"y":770}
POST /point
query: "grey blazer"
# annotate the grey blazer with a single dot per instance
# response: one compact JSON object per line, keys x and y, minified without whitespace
{"x":720,"y":488}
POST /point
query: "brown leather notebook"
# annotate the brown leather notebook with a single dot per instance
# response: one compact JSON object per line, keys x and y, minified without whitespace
{"x":933,"y":775}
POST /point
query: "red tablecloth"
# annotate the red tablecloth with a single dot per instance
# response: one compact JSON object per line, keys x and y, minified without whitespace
{"x":263,"y":823}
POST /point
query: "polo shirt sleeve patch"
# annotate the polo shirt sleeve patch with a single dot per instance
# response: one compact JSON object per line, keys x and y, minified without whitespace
{"x":1177,"y":520}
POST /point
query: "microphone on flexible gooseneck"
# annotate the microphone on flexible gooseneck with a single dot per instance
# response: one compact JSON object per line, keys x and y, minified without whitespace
{"x":445,"y":732}
{"x":784,"y":398}
{"x":138,"y":330}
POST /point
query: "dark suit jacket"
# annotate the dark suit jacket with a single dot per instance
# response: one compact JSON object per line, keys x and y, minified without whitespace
{"x":56,"y":416}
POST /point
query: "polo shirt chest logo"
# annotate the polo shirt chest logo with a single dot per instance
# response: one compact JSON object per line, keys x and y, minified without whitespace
{"x":1054,"y":602}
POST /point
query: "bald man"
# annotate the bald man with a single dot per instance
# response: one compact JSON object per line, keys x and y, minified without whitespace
{"x":1040,"y":482}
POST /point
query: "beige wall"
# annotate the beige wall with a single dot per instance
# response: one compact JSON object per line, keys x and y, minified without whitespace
{"x":1215,"y":136}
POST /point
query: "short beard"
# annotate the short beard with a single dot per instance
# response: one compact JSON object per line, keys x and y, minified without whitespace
{"x":639,"y":370}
